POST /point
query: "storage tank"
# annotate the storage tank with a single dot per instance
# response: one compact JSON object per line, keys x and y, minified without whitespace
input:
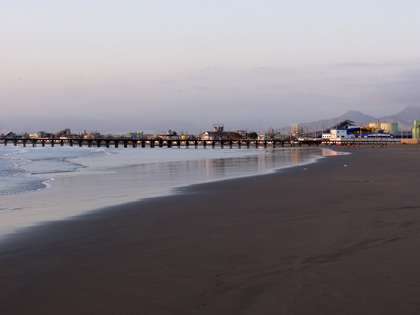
{"x":416,"y":129}
{"x":375,"y":125}
{"x":390,"y":127}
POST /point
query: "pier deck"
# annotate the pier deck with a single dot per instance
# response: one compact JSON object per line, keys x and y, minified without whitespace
{"x":160,"y":143}
{"x":148,"y":142}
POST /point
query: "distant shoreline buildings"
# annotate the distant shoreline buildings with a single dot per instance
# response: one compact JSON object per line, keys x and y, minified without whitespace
{"x":346,"y":129}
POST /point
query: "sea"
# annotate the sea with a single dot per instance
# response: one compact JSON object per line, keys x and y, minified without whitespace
{"x":45,"y":184}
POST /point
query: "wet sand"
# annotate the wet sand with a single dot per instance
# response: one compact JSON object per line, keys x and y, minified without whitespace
{"x":340,"y":236}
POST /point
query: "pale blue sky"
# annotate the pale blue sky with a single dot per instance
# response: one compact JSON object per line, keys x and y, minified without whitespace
{"x":128,"y":65}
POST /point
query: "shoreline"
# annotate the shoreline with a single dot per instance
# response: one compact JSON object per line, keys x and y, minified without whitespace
{"x":76,"y":194}
{"x":335,"y":236}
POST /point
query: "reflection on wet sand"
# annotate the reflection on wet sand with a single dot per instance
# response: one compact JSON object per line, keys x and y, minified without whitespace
{"x":258,"y":164}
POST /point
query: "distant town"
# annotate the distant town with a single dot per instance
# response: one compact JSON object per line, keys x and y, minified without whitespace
{"x":345,"y":130}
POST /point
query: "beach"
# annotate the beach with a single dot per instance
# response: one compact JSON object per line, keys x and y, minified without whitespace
{"x":338,"y":236}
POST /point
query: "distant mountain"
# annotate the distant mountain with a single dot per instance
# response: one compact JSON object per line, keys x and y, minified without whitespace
{"x":404,"y":119}
{"x":358,"y":117}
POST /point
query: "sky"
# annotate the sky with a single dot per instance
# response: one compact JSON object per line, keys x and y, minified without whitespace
{"x":127,"y":65}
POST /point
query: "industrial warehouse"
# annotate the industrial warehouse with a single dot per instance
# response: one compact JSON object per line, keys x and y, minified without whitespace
{"x":348,"y":130}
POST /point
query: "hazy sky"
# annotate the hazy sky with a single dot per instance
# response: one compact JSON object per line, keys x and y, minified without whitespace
{"x":119,"y":65}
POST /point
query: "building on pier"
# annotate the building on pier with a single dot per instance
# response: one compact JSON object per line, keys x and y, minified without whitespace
{"x":219,"y":133}
{"x":92,"y":135}
{"x":41,"y":134}
{"x":271,"y":134}
{"x":337,"y":134}
{"x":63,"y":133}
{"x":170,"y":135}
{"x":11,"y":134}
{"x":133,"y":135}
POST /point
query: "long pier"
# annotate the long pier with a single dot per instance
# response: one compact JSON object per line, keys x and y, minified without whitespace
{"x":169,"y":143}
{"x":152,"y":143}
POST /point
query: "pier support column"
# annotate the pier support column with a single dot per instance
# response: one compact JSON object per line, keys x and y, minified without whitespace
{"x":125,"y":144}
{"x":265,"y":144}
{"x":80,"y":143}
{"x":24,"y":143}
{"x":52,"y":143}
{"x":116,"y":143}
{"x":143,"y":144}
{"x":34,"y":143}
{"x":204,"y":144}
{"x":213,"y":144}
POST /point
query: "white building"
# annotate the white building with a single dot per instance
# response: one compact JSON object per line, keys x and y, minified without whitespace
{"x":337,"y":134}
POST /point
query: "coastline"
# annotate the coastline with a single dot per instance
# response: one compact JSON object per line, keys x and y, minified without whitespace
{"x":336,"y":236}
{"x":117,"y":178}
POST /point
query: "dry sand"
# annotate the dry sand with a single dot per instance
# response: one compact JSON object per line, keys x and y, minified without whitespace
{"x":340,"y":236}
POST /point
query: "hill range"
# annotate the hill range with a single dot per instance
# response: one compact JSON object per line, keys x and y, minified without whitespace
{"x":404,"y":119}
